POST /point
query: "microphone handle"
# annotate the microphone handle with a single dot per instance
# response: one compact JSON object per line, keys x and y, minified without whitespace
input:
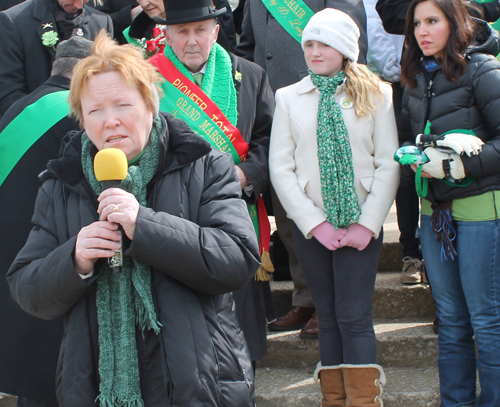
{"x":115,"y":262}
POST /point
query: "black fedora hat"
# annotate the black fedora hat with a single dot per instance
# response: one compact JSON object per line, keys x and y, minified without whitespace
{"x":188,"y":11}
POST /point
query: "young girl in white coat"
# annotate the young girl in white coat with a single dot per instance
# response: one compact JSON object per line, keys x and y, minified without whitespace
{"x":331,"y":163}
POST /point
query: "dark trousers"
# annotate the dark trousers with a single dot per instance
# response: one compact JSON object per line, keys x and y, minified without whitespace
{"x":407,"y":202}
{"x":341,"y":283}
{"x":408,"y":210}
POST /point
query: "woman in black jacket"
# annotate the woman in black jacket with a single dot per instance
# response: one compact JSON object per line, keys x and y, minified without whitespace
{"x":163,"y":331}
{"x":453,"y":93}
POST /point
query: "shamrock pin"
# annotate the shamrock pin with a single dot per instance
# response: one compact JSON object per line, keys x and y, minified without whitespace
{"x":50,"y":38}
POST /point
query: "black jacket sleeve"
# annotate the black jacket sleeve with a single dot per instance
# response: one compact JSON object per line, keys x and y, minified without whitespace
{"x":256,"y":165}
{"x":217,"y":254}
{"x":405,"y":132}
{"x":43,"y":279}
{"x":486,"y":85}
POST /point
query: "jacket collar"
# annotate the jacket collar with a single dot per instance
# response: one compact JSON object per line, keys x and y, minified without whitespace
{"x":59,"y":81}
{"x":306,"y":85}
{"x":486,"y":41}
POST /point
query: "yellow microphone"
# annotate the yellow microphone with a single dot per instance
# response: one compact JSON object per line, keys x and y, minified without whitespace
{"x":110,"y":168}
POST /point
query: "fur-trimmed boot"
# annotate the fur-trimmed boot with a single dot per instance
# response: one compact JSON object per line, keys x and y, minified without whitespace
{"x":363,"y":385}
{"x":332,"y":385}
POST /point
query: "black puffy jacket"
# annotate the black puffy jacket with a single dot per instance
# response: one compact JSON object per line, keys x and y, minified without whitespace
{"x":470,"y":103}
{"x":196,"y":235}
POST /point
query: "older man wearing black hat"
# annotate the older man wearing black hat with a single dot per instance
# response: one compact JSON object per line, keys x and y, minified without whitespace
{"x":227,"y":101}
{"x":29,"y":347}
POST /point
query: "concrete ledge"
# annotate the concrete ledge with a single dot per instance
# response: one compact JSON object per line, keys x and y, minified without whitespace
{"x":391,"y":257}
{"x":7,"y":400}
{"x":391,"y":298}
{"x":296,"y":388}
{"x":401,"y":343}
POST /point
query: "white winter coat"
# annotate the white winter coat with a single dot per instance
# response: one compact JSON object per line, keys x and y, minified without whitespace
{"x":293,"y":159}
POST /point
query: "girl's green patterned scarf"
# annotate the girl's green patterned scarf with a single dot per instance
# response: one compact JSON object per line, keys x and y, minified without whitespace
{"x":335,"y":156}
{"x":124,"y":300}
{"x":217,"y":82}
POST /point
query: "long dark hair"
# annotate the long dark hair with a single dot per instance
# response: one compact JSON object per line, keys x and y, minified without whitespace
{"x":453,"y":61}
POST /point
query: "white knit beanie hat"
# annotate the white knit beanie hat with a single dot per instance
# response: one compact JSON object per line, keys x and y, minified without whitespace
{"x":336,"y":29}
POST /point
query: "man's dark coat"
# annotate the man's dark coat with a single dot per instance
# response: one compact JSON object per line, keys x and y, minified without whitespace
{"x":265,"y":42}
{"x":29,"y":347}
{"x":25,"y":62}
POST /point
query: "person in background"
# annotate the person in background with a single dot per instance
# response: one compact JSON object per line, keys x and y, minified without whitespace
{"x":452,"y":96}
{"x":163,"y":330}
{"x":143,"y":26}
{"x":29,"y":349}
{"x":393,"y":16}
{"x":227,"y":101}
{"x":122,"y":13}
{"x":30,"y":33}
{"x":331,"y":162}
{"x":266,"y":41}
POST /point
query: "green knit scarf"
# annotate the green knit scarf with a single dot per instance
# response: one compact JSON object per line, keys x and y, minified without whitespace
{"x":335,"y":156}
{"x":217,"y":82}
{"x":124,"y":300}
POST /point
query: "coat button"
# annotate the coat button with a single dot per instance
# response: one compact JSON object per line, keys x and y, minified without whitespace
{"x":269,"y":56}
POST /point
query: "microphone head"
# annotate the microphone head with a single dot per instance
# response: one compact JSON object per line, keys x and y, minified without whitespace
{"x":110,"y":164}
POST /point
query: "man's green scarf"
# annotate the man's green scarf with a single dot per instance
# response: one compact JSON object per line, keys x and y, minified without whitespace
{"x":217,"y":82}
{"x":335,"y":156}
{"x":124,"y":300}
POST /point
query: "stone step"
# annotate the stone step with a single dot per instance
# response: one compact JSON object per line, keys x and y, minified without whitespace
{"x":7,"y":400}
{"x":390,"y":300}
{"x":401,"y":343}
{"x":296,"y":388}
{"x":405,"y":387}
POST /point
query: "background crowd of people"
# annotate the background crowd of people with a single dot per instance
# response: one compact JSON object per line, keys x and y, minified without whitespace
{"x":224,"y":114}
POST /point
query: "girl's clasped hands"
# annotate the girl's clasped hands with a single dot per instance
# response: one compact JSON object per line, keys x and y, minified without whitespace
{"x":355,"y":235}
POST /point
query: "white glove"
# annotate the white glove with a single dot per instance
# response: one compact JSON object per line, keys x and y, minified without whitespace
{"x":462,"y":143}
{"x":443,"y":165}
{"x":458,"y":142}
{"x":392,"y":69}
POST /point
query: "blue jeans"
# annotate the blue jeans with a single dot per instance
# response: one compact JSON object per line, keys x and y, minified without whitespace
{"x":467,"y":295}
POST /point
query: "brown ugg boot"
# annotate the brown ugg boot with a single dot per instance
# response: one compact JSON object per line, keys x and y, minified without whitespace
{"x":363,"y":385}
{"x":332,"y":385}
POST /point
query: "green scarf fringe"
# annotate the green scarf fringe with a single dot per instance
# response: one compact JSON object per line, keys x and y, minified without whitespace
{"x":335,"y":155}
{"x":218,"y":81}
{"x":124,"y":300}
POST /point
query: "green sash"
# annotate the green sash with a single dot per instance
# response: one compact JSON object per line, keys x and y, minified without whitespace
{"x":31,"y":124}
{"x":292,"y":15}
{"x":131,"y":40}
{"x":185,"y":100}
